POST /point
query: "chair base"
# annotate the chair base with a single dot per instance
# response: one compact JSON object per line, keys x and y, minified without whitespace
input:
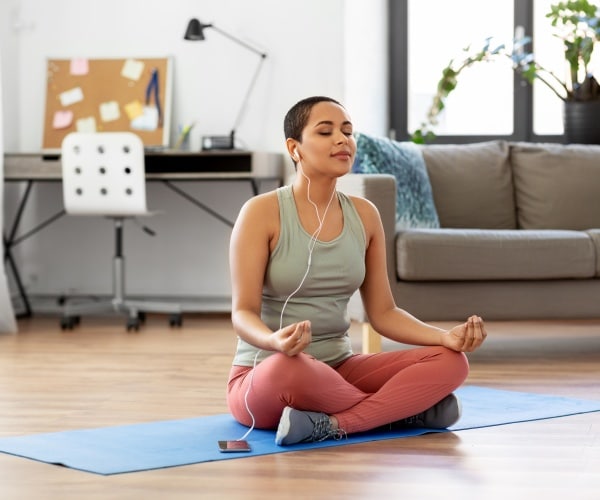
{"x":134,"y":309}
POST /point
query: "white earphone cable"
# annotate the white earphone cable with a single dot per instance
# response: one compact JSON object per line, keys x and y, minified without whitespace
{"x":311,"y":246}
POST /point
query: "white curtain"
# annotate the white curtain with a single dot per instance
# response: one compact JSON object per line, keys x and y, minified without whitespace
{"x":8,"y":323}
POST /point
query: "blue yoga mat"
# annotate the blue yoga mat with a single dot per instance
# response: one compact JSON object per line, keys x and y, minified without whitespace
{"x":155,"y":445}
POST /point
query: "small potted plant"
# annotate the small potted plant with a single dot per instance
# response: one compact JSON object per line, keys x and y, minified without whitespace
{"x":577,"y":24}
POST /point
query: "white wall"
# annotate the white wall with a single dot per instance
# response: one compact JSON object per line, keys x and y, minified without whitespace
{"x":333,"y":47}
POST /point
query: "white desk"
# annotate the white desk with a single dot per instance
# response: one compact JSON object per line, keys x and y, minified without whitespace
{"x":164,"y":167}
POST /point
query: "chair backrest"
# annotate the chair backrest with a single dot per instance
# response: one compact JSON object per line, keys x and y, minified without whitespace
{"x":103,"y":174}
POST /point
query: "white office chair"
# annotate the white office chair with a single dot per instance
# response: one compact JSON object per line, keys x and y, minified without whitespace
{"x":103,"y":174}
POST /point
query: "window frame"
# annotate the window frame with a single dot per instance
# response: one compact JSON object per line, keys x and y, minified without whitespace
{"x":398,"y":83}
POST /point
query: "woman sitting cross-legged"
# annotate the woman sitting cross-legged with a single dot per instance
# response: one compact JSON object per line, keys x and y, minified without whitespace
{"x":297,"y":255}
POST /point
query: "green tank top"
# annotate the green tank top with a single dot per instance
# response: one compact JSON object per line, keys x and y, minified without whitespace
{"x":336,"y":271}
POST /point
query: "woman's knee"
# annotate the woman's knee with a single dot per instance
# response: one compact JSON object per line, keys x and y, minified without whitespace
{"x":456,"y":364}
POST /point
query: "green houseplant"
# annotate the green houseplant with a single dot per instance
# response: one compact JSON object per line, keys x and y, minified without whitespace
{"x":577,"y":24}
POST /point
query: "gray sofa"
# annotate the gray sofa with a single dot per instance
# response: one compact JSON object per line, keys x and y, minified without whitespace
{"x":519,"y":234}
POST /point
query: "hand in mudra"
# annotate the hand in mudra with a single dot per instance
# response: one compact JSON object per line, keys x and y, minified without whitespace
{"x":467,"y":336}
{"x":294,"y":338}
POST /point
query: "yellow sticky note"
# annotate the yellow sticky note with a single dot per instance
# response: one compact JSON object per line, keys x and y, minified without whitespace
{"x":134,"y":109}
{"x":109,"y":111}
{"x":132,"y":69}
{"x":86,"y":124}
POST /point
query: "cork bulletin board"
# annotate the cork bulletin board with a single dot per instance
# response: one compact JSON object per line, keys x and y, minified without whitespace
{"x":108,"y":95}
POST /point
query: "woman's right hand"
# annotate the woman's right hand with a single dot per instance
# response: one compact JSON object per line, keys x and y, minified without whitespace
{"x":292,"y":339}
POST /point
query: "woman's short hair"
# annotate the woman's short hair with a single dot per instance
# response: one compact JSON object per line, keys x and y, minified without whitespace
{"x":296,"y":118}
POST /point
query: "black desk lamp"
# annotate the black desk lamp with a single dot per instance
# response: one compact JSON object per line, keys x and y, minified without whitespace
{"x":195,"y":32}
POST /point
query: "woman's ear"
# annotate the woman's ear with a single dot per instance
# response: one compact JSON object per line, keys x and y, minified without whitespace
{"x":292,"y":147}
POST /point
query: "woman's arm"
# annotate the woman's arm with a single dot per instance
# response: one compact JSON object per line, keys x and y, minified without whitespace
{"x":388,"y":319}
{"x":254,"y":235}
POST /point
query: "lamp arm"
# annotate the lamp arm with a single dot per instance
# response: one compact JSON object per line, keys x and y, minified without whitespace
{"x":248,"y":92}
{"x":238,"y":41}
{"x":252,"y":82}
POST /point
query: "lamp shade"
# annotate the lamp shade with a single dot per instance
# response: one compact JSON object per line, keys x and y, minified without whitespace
{"x":195,"y":30}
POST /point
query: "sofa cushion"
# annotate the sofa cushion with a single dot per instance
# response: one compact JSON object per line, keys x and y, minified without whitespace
{"x":472,"y":184}
{"x":470,"y":254}
{"x":414,"y":201}
{"x":557,"y":186}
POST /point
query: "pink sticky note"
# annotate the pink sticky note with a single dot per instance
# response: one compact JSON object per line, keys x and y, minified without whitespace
{"x":62,"y":119}
{"x":79,"y":66}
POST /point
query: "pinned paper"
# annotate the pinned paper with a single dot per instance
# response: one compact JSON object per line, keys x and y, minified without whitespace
{"x":132,"y":69}
{"x":134,"y":109}
{"x":147,"y":121}
{"x":109,"y":111}
{"x":71,"y":96}
{"x":62,"y":119}
{"x":79,"y":66}
{"x":86,"y":124}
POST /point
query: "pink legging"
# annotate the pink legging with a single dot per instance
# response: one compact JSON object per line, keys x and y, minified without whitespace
{"x":363,"y":392}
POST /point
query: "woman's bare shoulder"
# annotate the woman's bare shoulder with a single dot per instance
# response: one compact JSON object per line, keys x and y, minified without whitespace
{"x":262,"y":201}
{"x":263,"y":205}
{"x":364,"y":207}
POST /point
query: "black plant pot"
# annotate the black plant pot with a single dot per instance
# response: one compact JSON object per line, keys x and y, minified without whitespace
{"x":582,"y":122}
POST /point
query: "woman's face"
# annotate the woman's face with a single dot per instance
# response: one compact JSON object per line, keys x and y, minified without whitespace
{"x":327,"y":141}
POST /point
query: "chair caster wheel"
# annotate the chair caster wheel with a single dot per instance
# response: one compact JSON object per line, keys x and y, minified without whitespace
{"x":175,"y":320}
{"x":133,"y":324}
{"x":69,"y":322}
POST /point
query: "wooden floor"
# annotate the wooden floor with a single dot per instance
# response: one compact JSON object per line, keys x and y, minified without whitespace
{"x":100,"y":375}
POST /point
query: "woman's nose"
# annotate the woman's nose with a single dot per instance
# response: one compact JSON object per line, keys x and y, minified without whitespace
{"x":341,"y":138}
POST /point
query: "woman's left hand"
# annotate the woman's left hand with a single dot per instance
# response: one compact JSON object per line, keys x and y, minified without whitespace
{"x":466,"y":337}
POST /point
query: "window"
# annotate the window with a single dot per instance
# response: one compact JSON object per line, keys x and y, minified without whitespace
{"x":490,"y":100}
{"x":547,"y":109}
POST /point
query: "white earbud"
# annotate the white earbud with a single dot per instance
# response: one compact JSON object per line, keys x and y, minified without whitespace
{"x":296,"y":155}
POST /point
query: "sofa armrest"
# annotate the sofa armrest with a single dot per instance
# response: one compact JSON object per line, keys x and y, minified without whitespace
{"x":380,"y":189}
{"x":594,"y":234}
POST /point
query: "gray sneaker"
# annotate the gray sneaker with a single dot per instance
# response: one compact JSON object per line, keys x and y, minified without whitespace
{"x":298,"y":426}
{"x":440,"y":416}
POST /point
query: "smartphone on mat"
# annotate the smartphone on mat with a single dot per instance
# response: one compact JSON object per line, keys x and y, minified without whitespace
{"x":234,"y":446}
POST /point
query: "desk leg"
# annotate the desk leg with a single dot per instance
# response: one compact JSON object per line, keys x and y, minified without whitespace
{"x":8,"y":244}
{"x":254,"y":184}
{"x":199,"y":204}
{"x":17,"y":276}
{"x":12,"y":240}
